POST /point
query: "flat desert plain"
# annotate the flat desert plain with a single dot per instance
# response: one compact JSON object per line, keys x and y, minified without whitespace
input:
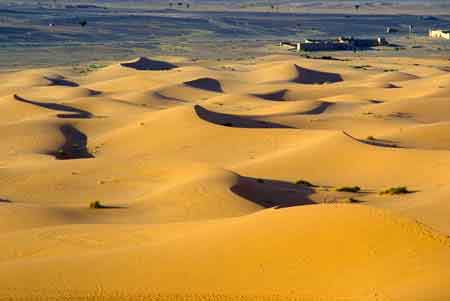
{"x":168,"y":179}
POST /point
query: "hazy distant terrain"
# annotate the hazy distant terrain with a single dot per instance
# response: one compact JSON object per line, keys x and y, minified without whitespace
{"x":49,"y":32}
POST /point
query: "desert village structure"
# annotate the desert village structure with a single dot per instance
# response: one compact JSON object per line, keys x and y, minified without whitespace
{"x":341,"y":43}
{"x":351,"y":43}
{"x":439,"y":34}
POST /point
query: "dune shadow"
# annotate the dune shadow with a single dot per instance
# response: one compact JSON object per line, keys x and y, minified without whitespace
{"x":144,"y":64}
{"x":374,"y":142}
{"x":164,"y":97}
{"x":319,"y":109}
{"x":206,"y":83}
{"x":309,"y":76}
{"x":233,"y":120}
{"x":75,"y":145}
{"x":274,"y":96}
{"x":272,"y":193}
{"x":103,"y":207}
{"x":71,"y":111}
{"x":61,"y":81}
{"x":383,"y":141}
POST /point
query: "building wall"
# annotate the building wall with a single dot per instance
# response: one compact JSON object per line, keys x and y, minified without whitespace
{"x":440,"y":34}
{"x":342,"y":43}
{"x":324,"y":46}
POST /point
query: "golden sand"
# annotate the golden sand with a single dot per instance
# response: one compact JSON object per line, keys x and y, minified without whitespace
{"x":195,"y":167}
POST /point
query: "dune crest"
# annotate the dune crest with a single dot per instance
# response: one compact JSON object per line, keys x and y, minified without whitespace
{"x":286,"y":72}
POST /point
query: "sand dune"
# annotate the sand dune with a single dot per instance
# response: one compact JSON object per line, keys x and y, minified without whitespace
{"x":71,"y":112}
{"x":35,"y":78}
{"x":186,"y":265}
{"x":144,"y":63}
{"x":225,"y":183}
{"x":394,"y":76}
{"x":233,"y":120}
{"x":292,"y":73}
{"x":57,"y":93}
{"x":427,"y":136}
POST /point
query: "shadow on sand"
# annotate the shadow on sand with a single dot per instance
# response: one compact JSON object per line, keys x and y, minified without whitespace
{"x":61,"y":81}
{"x":272,"y":193}
{"x":145,"y":64}
{"x":206,"y":83}
{"x":234,"y":120}
{"x":71,"y":111}
{"x":75,"y":146}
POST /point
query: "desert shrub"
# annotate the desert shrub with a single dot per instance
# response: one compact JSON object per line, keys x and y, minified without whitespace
{"x":305,"y":183}
{"x":353,"y":200}
{"x":348,"y":189}
{"x":260,"y":181}
{"x":370,"y":138}
{"x":365,"y":67}
{"x":95,"y":66}
{"x":330,"y":58}
{"x":88,"y":68}
{"x":396,"y":190}
{"x":96,"y":205}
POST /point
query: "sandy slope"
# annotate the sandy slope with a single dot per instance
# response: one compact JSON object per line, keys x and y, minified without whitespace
{"x":189,"y":159}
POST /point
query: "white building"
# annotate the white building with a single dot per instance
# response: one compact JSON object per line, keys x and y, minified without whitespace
{"x":439,"y":34}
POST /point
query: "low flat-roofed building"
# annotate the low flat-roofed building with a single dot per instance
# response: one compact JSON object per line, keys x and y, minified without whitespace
{"x":341,"y":43}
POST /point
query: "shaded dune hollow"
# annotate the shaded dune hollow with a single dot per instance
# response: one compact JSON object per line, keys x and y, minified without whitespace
{"x":206,"y":83}
{"x":75,"y":145}
{"x":71,"y":112}
{"x":308,"y":76}
{"x":144,"y":64}
{"x":58,"y":80}
{"x":274,"y":96}
{"x":321,"y":108}
{"x":272,"y":193}
{"x":233,"y":120}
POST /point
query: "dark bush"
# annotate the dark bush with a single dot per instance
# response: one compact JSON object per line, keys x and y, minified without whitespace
{"x":348,"y":189}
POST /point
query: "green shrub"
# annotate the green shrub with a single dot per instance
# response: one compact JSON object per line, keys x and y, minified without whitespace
{"x":348,"y":189}
{"x":92,"y":67}
{"x":396,"y":190}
